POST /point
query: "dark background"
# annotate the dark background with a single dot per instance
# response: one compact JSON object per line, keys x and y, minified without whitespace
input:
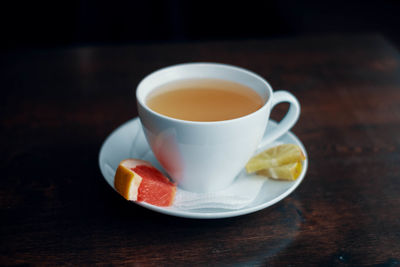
{"x":44,"y":24}
{"x":57,"y":106}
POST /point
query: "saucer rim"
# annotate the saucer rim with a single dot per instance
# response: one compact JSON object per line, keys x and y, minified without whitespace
{"x":220,"y":213}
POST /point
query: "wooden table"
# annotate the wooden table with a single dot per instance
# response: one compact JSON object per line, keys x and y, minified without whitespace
{"x":58,"y":106}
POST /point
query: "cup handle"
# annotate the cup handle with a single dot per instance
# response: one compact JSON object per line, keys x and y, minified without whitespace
{"x":288,"y":121}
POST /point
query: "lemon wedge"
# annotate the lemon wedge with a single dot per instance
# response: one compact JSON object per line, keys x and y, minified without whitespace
{"x":289,"y":172}
{"x":275,"y":157}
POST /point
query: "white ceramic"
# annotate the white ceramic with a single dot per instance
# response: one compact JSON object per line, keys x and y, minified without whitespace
{"x":120,"y":145}
{"x":206,"y":156}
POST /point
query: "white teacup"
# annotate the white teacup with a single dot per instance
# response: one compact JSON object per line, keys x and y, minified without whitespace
{"x":207,"y":156}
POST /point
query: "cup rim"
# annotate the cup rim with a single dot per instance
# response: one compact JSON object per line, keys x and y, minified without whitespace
{"x":141,"y":102}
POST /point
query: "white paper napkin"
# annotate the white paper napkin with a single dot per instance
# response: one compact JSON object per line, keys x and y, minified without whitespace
{"x":237,"y":196}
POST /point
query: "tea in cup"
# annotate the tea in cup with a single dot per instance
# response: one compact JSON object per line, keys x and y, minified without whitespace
{"x":204,"y":121}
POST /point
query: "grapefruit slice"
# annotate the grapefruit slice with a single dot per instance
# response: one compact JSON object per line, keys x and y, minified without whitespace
{"x":138,"y":180}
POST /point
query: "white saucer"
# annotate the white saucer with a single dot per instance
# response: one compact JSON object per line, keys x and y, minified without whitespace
{"x":128,"y":141}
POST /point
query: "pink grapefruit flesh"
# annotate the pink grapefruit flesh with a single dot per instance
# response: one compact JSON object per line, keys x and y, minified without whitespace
{"x":138,"y":180}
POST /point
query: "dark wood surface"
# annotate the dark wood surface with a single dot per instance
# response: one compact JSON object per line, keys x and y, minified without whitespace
{"x":58,"y":106}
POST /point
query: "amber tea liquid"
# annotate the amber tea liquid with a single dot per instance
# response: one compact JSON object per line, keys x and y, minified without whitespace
{"x":204,"y":100}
